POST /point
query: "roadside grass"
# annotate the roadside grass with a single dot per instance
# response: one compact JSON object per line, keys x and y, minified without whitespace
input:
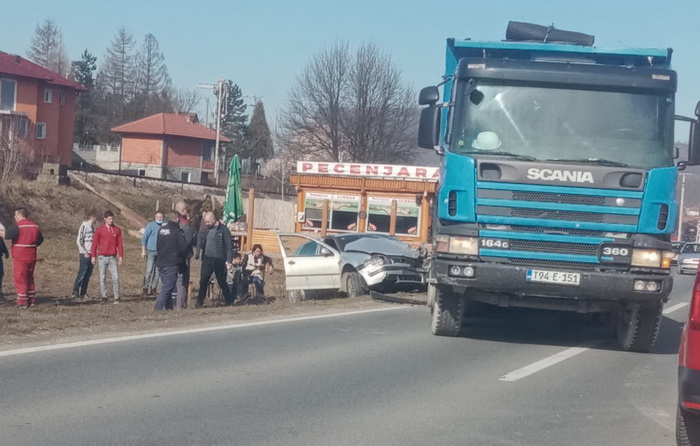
{"x":59,"y":212}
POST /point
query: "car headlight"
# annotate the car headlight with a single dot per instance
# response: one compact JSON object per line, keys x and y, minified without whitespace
{"x":374,"y":261}
{"x":651,"y":258}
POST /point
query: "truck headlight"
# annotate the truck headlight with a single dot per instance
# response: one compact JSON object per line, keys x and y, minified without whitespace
{"x":464,"y":245}
{"x":647,"y":258}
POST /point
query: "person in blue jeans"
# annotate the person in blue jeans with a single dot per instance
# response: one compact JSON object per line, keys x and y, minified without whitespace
{"x":84,"y":241}
{"x":149,"y":251}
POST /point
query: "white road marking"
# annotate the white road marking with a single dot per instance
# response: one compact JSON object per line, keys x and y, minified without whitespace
{"x":564,"y":355}
{"x":548,"y":362}
{"x":675,"y":307}
{"x":44,"y":348}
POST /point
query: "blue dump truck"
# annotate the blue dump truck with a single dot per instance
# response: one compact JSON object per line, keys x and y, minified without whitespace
{"x":558,"y":175}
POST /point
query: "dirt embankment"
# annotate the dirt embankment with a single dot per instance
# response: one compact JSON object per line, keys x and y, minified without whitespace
{"x":59,"y":212}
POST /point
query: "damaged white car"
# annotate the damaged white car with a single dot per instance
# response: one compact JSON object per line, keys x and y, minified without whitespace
{"x":349,"y":263}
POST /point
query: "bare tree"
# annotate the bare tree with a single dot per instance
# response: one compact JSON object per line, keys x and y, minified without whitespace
{"x":349,"y":107}
{"x":117,"y":72}
{"x":310,"y":124}
{"x":151,"y":76}
{"x":14,"y":145}
{"x":379,"y":113}
{"x":185,"y":100}
{"x":47,"y":49}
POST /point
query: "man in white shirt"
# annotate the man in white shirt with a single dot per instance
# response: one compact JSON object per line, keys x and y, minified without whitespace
{"x":84,"y":241}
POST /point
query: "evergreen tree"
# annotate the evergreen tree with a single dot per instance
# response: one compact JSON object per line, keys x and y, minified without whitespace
{"x":259,"y":139}
{"x":233,"y":122}
{"x":85,"y":131}
{"x":47,"y":49}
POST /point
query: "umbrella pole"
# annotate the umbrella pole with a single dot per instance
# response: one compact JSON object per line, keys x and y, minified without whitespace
{"x":251,"y":218}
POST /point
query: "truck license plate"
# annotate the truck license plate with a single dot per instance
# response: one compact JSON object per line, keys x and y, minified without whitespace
{"x":559,"y":277}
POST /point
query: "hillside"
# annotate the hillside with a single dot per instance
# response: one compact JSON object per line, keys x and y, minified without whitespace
{"x":59,"y":212}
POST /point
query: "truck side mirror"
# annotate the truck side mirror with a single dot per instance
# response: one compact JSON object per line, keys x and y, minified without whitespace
{"x":428,"y":96}
{"x":429,"y":127}
{"x":694,"y":139}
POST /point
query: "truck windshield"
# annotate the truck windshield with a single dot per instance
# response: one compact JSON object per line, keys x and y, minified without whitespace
{"x":558,"y":124}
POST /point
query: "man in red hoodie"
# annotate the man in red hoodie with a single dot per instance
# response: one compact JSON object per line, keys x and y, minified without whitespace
{"x":108,"y":251}
{"x":26,"y":237}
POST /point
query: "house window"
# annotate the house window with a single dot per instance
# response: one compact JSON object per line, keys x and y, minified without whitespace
{"x":205,"y":178}
{"x":185,"y":177}
{"x":142,"y":172}
{"x":8,"y":94}
{"x":61,"y":98}
{"x":40,"y":130}
{"x":48,"y":95}
{"x":342,"y":211}
{"x":14,"y":127}
{"x":379,"y":215}
{"x":207,"y":152}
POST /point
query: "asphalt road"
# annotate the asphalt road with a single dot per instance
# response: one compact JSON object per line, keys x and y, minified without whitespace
{"x":376,"y":378}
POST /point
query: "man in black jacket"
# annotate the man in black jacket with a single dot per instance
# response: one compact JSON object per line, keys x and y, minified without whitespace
{"x":172,"y":249}
{"x":216,"y":248}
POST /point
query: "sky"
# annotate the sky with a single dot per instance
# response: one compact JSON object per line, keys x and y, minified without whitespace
{"x":264,"y":45}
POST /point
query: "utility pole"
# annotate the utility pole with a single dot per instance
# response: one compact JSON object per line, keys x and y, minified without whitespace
{"x":680,"y":208}
{"x":221,"y":93}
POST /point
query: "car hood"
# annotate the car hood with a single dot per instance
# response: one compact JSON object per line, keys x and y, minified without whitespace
{"x":689,"y":255}
{"x":380,"y":246}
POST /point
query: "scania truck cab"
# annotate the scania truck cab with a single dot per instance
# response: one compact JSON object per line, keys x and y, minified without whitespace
{"x":558,"y":175}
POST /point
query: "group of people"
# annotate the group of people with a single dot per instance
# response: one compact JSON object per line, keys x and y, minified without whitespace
{"x":168,"y":247}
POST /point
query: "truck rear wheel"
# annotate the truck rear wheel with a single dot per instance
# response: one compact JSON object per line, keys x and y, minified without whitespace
{"x":447,"y":313}
{"x":637,"y":326}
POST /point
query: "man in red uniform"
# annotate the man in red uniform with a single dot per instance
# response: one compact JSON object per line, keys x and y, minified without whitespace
{"x":26,"y":237}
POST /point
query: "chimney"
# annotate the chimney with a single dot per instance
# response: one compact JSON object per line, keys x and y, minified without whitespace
{"x":17,"y":58}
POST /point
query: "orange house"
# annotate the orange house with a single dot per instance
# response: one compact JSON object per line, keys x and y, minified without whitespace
{"x":37,"y":109}
{"x":173,"y":146}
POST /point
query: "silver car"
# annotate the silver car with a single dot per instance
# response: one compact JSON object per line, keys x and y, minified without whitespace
{"x":350,"y":263}
{"x":689,"y":258}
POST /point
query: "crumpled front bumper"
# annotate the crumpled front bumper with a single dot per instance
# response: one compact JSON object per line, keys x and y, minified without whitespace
{"x":391,"y":274}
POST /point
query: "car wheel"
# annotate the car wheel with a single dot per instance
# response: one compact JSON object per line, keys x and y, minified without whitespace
{"x":353,"y":284}
{"x":447,"y":313}
{"x":687,"y":427}
{"x":295,"y":296}
{"x":637,"y":326}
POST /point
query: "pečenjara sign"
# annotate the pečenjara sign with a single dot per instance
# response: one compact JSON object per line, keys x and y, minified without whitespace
{"x":369,"y":170}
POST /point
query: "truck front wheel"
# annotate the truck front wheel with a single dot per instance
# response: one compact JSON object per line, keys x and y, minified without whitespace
{"x":638,"y":326}
{"x":447,"y":313}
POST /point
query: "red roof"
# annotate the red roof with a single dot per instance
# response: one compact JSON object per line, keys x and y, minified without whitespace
{"x":173,"y":124}
{"x":18,"y":66}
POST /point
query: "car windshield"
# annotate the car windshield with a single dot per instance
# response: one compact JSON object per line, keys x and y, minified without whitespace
{"x":344,"y":240}
{"x":691,"y":248}
{"x":560,"y":124}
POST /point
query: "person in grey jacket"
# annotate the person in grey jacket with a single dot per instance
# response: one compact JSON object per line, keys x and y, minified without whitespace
{"x":216,"y":249}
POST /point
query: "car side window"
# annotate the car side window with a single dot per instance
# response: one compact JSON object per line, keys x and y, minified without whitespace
{"x":331,"y":243}
{"x":309,"y":249}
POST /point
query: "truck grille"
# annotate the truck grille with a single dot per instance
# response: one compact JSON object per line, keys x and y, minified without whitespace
{"x":540,"y":234}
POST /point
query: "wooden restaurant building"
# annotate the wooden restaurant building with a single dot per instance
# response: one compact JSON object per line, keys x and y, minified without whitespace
{"x":352,"y":197}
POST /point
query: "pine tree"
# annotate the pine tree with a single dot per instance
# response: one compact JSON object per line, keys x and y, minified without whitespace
{"x":259,"y":139}
{"x":233,"y":122}
{"x":86,"y":113}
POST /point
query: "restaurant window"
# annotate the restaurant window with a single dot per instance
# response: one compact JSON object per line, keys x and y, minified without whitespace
{"x":343,"y":211}
{"x":379,"y":215}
